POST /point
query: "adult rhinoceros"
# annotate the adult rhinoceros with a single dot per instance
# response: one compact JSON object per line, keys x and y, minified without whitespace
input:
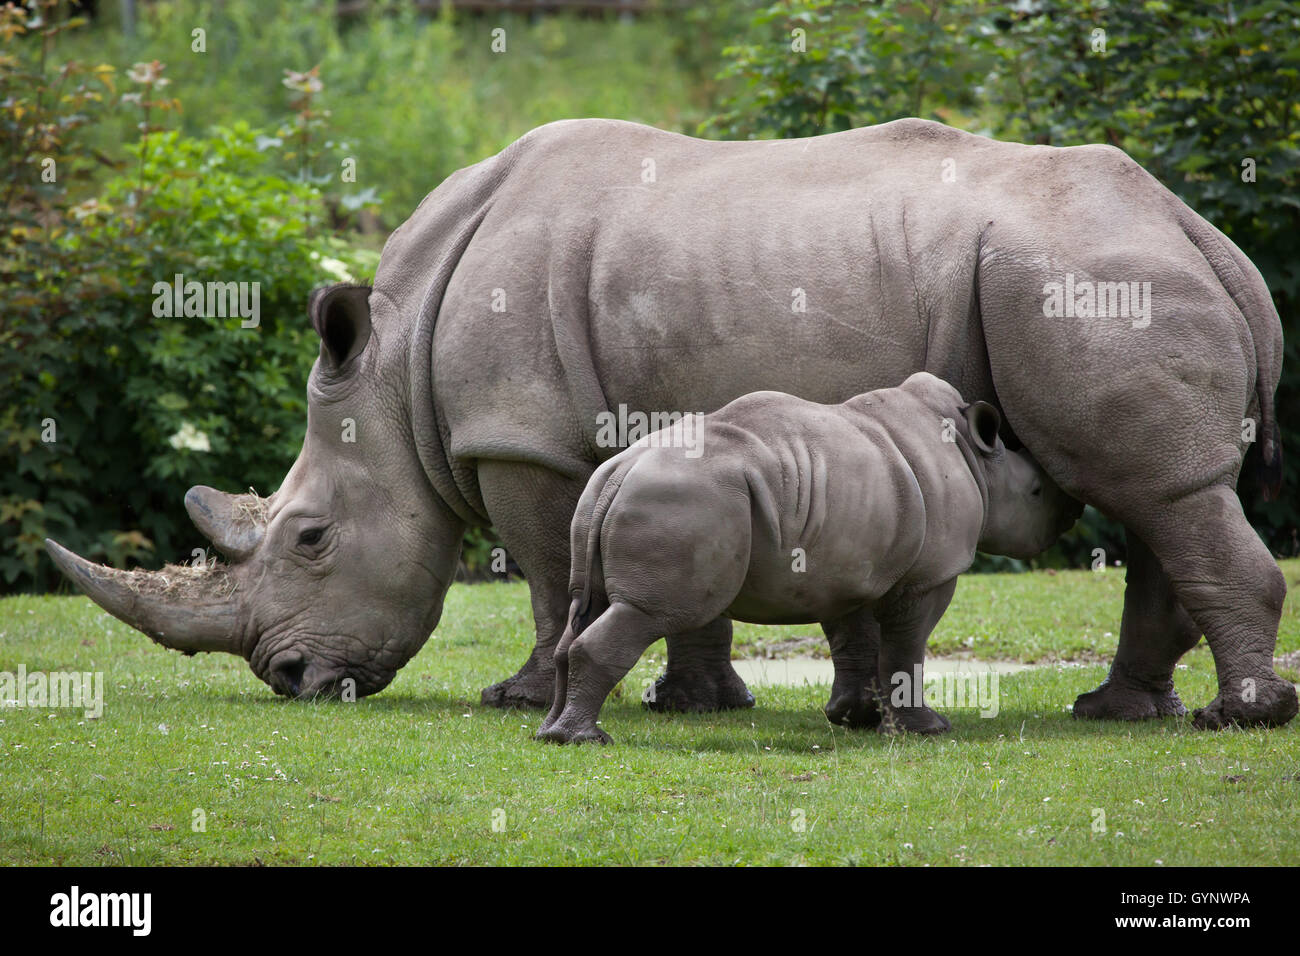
{"x":597,"y":264}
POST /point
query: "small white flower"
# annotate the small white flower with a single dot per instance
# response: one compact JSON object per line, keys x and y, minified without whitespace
{"x":87,"y":209}
{"x":308,"y":82}
{"x":147,"y":73}
{"x":333,"y":267}
{"x":191,"y":438}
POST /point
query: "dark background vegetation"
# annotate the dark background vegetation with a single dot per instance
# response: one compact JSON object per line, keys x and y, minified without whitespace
{"x":225,"y":165}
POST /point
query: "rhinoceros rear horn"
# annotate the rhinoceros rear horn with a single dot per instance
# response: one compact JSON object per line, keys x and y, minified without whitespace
{"x":341,"y":316}
{"x":234,"y":523}
{"x":188,"y":609}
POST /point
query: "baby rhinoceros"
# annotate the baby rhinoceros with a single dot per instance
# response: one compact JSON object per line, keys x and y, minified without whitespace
{"x":776,"y":510}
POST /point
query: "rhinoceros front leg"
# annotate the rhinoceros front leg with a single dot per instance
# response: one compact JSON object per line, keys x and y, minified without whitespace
{"x":905,"y":625}
{"x":1154,"y":633}
{"x":531,"y":507}
{"x":855,"y":651}
{"x":699,"y":676}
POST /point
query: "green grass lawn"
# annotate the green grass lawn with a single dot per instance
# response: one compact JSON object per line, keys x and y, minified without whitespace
{"x":422,"y":774}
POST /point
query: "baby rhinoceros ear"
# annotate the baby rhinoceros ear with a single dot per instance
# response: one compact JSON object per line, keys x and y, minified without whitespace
{"x":341,"y":316}
{"x":984,"y":421}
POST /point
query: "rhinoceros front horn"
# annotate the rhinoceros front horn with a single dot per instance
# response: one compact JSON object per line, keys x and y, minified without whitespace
{"x":234,"y":523}
{"x":188,"y":609}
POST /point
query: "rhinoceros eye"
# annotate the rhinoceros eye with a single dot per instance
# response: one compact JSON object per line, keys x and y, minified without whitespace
{"x":311,"y":537}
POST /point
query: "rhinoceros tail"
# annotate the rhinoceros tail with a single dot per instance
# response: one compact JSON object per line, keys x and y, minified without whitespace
{"x":1243,"y":283}
{"x":1269,"y":474}
{"x":586,"y":547}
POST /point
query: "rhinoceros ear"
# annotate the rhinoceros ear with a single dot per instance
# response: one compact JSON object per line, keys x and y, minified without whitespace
{"x":984,"y":421}
{"x":341,"y":316}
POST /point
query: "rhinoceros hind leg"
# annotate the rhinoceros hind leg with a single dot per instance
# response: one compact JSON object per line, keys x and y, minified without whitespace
{"x":1273,"y":710}
{"x":1154,"y":633}
{"x":1230,"y":584}
{"x":699,"y":677}
{"x":531,"y":507}
{"x":592,"y":662}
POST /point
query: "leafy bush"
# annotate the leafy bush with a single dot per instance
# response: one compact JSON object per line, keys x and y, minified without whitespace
{"x":112,"y":410}
{"x":820,"y":66}
{"x":412,"y":97}
{"x":1192,"y":91}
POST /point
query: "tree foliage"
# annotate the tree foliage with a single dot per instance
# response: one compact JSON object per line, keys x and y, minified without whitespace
{"x":112,"y":410}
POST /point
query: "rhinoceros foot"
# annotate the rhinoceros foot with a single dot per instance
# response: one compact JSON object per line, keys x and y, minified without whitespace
{"x":913,"y":720}
{"x":1122,"y":697}
{"x":566,"y":732}
{"x":856,"y":708}
{"x":698,"y":691}
{"x":1274,"y":704}
{"x":527,"y":689}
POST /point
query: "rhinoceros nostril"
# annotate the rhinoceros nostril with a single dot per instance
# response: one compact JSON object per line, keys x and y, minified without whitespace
{"x":286,"y":675}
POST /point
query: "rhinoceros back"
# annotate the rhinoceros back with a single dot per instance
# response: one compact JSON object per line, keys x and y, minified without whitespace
{"x":624,"y":267}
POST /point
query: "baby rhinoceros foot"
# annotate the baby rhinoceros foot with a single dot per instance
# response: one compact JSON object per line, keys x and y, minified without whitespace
{"x":572,"y":732}
{"x":913,"y":720}
{"x":700,"y":691}
{"x":857,"y":709}
{"x":1270,"y":704}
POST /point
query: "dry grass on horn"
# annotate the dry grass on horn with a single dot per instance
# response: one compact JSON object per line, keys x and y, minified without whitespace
{"x":207,"y":581}
{"x":252,"y":508}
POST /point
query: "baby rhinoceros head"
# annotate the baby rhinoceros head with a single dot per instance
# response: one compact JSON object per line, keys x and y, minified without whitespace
{"x":1026,"y":511}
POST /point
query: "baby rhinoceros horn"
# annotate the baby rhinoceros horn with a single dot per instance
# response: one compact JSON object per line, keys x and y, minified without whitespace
{"x":234,"y":523}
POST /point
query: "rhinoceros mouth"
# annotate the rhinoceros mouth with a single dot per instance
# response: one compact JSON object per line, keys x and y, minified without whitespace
{"x":298,"y":674}
{"x":342,"y":687}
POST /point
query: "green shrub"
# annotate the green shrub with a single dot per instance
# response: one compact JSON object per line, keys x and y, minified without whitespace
{"x":412,"y":97}
{"x":111,"y":410}
{"x":821,"y":66}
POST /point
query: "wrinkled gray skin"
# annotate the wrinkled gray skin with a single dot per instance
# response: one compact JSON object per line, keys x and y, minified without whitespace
{"x":674,"y":292}
{"x":782,"y":511}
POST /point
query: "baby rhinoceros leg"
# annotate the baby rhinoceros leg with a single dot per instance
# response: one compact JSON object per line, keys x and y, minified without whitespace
{"x":906,"y":621}
{"x":592,"y":662}
{"x":855,"y":651}
{"x":579,"y":619}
